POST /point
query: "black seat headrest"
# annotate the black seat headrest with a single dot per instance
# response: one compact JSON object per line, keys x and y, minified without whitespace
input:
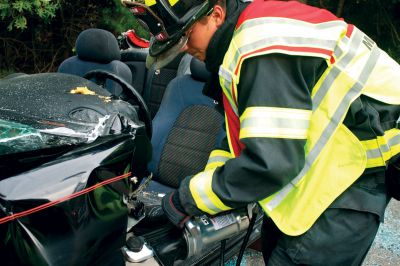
{"x":97,"y":45}
{"x":198,"y":70}
{"x":133,"y":54}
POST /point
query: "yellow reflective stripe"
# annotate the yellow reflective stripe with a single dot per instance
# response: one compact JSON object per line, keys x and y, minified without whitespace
{"x":149,"y":2}
{"x":344,"y":86}
{"x":213,"y":165}
{"x":337,"y":109}
{"x":273,"y":34}
{"x":206,"y":200}
{"x":326,"y":81}
{"x":277,"y":26}
{"x":228,"y":136}
{"x":217,"y":158}
{"x":272,"y":122}
{"x":173,"y":2}
{"x":383,"y":148}
{"x":226,"y":84}
{"x":267,"y":33}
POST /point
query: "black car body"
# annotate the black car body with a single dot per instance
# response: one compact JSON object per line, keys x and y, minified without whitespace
{"x":67,"y":163}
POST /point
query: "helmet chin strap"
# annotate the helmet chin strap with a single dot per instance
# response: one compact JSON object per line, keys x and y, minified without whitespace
{"x":163,"y":59}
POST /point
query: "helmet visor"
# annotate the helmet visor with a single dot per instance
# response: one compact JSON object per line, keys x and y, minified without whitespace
{"x":163,"y":59}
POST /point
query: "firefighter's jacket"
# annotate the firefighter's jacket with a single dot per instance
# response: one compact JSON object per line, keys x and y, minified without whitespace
{"x":311,"y":105}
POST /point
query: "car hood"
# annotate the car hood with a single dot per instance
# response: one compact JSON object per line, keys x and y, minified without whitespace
{"x":41,"y":111}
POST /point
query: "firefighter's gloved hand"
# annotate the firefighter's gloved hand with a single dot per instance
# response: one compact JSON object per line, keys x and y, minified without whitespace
{"x":174,"y":210}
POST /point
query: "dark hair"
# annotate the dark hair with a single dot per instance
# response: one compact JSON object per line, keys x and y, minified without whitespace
{"x":221,"y":3}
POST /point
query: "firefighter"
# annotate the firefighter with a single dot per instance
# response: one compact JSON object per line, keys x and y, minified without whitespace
{"x":311,"y":105}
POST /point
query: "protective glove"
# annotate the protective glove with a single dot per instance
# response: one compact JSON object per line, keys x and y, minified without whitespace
{"x":174,"y":210}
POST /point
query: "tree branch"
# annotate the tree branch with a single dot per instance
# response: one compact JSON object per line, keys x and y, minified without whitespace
{"x":340,"y":8}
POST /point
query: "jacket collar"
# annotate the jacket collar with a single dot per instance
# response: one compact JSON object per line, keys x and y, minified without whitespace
{"x":222,"y":37}
{"x":218,"y":46}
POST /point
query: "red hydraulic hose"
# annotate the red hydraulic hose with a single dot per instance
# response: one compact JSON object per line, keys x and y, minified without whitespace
{"x":57,"y":201}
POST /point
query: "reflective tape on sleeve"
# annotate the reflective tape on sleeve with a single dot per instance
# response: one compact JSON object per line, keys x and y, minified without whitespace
{"x":271,"y":122}
{"x":206,"y":200}
{"x":217,"y":158}
{"x":383,"y":148}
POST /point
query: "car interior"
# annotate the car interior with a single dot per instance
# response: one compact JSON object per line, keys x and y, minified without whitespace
{"x":186,"y":124}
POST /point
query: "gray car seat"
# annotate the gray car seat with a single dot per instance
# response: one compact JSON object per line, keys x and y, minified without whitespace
{"x":156,"y":83}
{"x":186,"y":129}
{"x":97,"y":49}
{"x":135,"y":59}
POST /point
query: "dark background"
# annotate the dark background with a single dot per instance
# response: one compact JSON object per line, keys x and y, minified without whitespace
{"x":38,"y":37}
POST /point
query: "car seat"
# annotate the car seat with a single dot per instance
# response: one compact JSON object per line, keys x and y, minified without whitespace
{"x":97,"y":49}
{"x":186,"y":129}
{"x":135,"y":59}
{"x":151,"y":83}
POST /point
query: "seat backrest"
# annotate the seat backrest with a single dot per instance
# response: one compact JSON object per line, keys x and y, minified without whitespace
{"x":156,"y":83}
{"x":151,"y":83}
{"x":186,"y":128}
{"x":135,"y":59}
{"x":97,"y":49}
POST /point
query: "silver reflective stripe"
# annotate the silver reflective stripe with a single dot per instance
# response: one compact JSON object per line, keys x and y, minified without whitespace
{"x":394,"y":141}
{"x":290,"y":41}
{"x":270,"y":41}
{"x":227,"y":77}
{"x":235,"y":60}
{"x":328,"y":131}
{"x":217,"y":159}
{"x":271,"y":122}
{"x":342,"y":63}
{"x":338,"y":52}
{"x":281,"y":21}
{"x":224,"y":74}
{"x":377,"y":152}
{"x":200,"y":182}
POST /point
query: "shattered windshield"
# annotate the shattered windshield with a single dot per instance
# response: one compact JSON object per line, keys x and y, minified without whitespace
{"x":17,"y":137}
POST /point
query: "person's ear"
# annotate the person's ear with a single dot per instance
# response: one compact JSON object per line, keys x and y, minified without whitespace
{"x":218,"y":15}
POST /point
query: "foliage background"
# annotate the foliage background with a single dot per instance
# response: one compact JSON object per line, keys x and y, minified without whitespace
{"x":37,"y":35}
{"x":379,"y":19}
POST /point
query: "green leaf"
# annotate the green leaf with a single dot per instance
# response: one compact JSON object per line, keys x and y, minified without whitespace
{"x":20,"y":23}
{"x":21,"y":5}
{"x":10,"y":26}
{"x":5,"y":6}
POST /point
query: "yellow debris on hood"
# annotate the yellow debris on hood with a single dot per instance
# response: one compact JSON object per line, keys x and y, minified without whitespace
{"x":82,"y":90}
{"x":86,"y":91}
{"x":106,"y":99}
